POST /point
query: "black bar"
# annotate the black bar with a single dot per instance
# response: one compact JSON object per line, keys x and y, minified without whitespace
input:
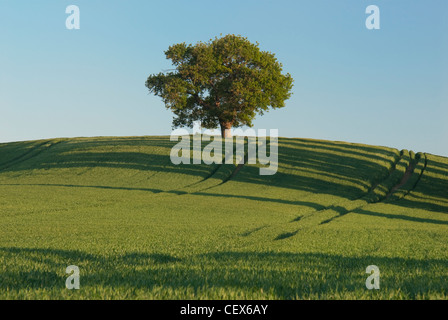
{"x":222,"y":309}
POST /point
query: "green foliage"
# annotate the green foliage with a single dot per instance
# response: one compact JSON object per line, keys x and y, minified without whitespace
{"x":225,"y":81}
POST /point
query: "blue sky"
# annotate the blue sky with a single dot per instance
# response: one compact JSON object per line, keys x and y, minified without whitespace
{"x":382,"y":87}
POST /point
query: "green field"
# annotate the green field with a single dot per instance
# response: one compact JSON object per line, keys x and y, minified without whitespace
{"x":139,"y":227}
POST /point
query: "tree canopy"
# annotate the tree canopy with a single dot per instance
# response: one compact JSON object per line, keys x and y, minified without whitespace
{"x":224,"y":82}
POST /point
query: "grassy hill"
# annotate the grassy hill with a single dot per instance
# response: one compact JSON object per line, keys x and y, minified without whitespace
{"x":139,"y":227}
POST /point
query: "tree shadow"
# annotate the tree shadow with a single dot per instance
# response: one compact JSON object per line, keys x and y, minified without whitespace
{"x":325,"y":167}
{"x":400,"y":216}
{"x":118,"y":153}
{"x":410,"y":202}
{"x":431,"y":191}
{"x":317,"y":167}
{"x":279,"y":275}
{"x":152,"y":190}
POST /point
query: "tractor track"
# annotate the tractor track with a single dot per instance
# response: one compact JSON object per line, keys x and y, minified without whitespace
{"x":29,"y":154}
{"x":339,"y":210}
{"x":336,"y":206}
{"x":420,"y":176}
{"x":408,"y":173}
{"x":214,"y":173}
{"x":405,"y":178}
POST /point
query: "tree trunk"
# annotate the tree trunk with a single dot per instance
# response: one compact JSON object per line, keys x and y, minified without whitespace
{"x":225,"y":129}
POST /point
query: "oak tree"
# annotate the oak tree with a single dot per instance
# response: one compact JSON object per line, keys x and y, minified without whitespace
{"x":224,"y":82}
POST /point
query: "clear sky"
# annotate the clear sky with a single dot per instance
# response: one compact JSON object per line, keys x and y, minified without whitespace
{"x":383,"y":87}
